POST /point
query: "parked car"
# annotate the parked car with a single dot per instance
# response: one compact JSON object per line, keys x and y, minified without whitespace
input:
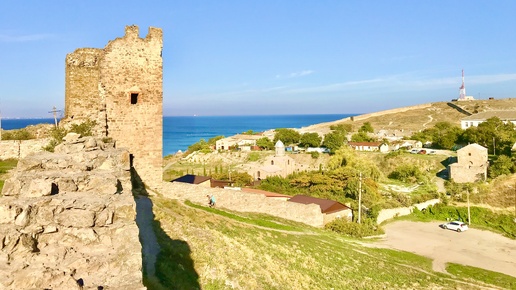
{"x":414,"y":151}
{"x":432,"y":152}
{"x":455,"y":226}
{"x":423,"y":151}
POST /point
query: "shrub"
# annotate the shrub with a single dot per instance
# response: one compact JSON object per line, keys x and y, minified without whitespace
{"x":314,"y":154}
{"x":85,"y":128}
{"x":20,"y":134}
{"x":407,"y":173}
{"x":253,"y":156}
{"x":343,"y":226}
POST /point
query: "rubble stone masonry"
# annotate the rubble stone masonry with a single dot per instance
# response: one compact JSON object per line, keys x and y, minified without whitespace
{"x":121,"y":88}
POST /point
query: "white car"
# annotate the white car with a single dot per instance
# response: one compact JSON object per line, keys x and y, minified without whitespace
{"x":455,"y":226}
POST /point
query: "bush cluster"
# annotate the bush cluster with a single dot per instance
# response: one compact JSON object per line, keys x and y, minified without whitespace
{"x":353,"y":229}
{"x":20,"y":134}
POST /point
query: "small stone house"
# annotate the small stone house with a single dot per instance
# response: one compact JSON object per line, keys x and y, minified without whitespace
{"x":329,"y":208}
{"x":471,"y":166}
{"x":369,"y":146}
{"x":409,"y":144}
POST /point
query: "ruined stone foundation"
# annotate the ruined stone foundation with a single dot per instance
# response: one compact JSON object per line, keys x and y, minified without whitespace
{"x":68,"y":219}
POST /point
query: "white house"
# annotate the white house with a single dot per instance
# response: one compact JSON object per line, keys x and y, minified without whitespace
{"x":475,"y":119}
{"x":240,"y":140}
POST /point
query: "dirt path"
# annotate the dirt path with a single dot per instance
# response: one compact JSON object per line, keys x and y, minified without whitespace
{"x":474,"y":247}
{"x":150,"y":246}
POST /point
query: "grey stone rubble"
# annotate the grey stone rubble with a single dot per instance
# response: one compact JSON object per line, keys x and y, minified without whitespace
{"x":69,"y":216}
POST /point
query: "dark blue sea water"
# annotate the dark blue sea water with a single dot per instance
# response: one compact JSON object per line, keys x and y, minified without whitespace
{"x":182,"y":131}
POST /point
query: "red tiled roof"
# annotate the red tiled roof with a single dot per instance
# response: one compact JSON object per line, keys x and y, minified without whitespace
{"x":266,"y":193}
{"x":326,"y":205}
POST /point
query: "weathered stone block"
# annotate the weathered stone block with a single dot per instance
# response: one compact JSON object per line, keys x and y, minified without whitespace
{"x":8,"y":213}
{"x":23,"y":219}
{"x":78,"y":218}
{"x":11,"y":187}
{"x":105,"y":217}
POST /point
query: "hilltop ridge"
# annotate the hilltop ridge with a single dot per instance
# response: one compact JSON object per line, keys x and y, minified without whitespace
{"x":414,"y":118}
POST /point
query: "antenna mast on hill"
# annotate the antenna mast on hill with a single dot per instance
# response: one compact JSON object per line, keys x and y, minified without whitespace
{"x":462,"y":89}
{"x":54,"y":111}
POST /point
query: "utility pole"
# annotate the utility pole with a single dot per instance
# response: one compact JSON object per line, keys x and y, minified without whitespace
{"x":54,"y":111}
{"x":360,"y":197}
{"x":515,"y":201}
{"x":469,"y":213}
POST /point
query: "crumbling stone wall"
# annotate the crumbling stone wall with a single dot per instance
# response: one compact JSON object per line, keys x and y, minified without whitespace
{"x":120,"y":87}
{"x":309,"y":214}
{"x":69,"y":217}
{"x":20,"y":148}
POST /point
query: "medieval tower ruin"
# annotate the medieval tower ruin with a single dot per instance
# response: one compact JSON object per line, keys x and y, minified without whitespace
{"x":120,"y":87}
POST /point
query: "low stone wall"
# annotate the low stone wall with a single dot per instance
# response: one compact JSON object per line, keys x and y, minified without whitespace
{"x":309,"y":214}
{"x":18,"y":149}
{"x":386,"y":214}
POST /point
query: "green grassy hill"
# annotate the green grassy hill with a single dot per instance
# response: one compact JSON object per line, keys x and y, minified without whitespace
{"x":204,"y":248}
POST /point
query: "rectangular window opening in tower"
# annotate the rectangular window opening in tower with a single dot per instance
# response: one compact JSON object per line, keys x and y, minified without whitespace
{"x":134,"y":98}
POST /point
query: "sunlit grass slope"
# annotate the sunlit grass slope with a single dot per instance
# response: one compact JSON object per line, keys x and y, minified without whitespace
{"x":206,"y":248}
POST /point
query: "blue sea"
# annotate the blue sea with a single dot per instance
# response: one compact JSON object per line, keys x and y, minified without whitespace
{"x":179,"y":132}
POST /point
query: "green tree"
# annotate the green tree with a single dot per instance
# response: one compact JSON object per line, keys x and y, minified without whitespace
{"x":493,"y":134}
{"x":502,"y":166}
{"x":265,"y":143}
{"x":408,"y":173}
{"x":333,"y":141}
{"x":446,"y":135}
{"x":361,"y":137}
{"x":310,"y":140}
{"x":343,"y":128}
{"x":367,"y":128}
{"x":287,"y":136}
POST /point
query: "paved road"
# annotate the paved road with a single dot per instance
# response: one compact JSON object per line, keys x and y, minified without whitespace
{"x":474,"y":247}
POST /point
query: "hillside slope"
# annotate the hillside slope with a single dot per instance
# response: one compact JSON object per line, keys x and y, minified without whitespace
{"x":407,"y":120}
{"x":204,"y":248}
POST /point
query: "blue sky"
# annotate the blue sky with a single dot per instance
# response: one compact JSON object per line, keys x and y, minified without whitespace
{"x":271,"y":57}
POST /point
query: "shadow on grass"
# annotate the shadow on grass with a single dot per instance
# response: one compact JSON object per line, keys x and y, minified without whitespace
{"x":166,"y":263}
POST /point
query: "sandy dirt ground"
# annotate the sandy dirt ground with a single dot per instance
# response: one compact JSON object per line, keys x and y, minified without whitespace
{"x":482,"y":249}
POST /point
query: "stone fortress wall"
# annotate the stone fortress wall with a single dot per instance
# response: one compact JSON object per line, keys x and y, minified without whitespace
{"x":120,"y":87}
{"x":18,"y":149}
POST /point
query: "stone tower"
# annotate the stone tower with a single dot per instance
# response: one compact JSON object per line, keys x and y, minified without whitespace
{"x":121,"y":88}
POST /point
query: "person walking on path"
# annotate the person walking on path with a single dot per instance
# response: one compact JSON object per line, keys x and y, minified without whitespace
{"x":211,"y":200}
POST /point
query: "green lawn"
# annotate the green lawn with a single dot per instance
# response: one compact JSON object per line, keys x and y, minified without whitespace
{"x":5,"y":166}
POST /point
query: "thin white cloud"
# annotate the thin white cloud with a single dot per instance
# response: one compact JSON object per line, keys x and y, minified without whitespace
{"x":23,"y":38}
{"x":295,"y":74}
{"x":392,"y":83}
{"x":490,"y":79}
